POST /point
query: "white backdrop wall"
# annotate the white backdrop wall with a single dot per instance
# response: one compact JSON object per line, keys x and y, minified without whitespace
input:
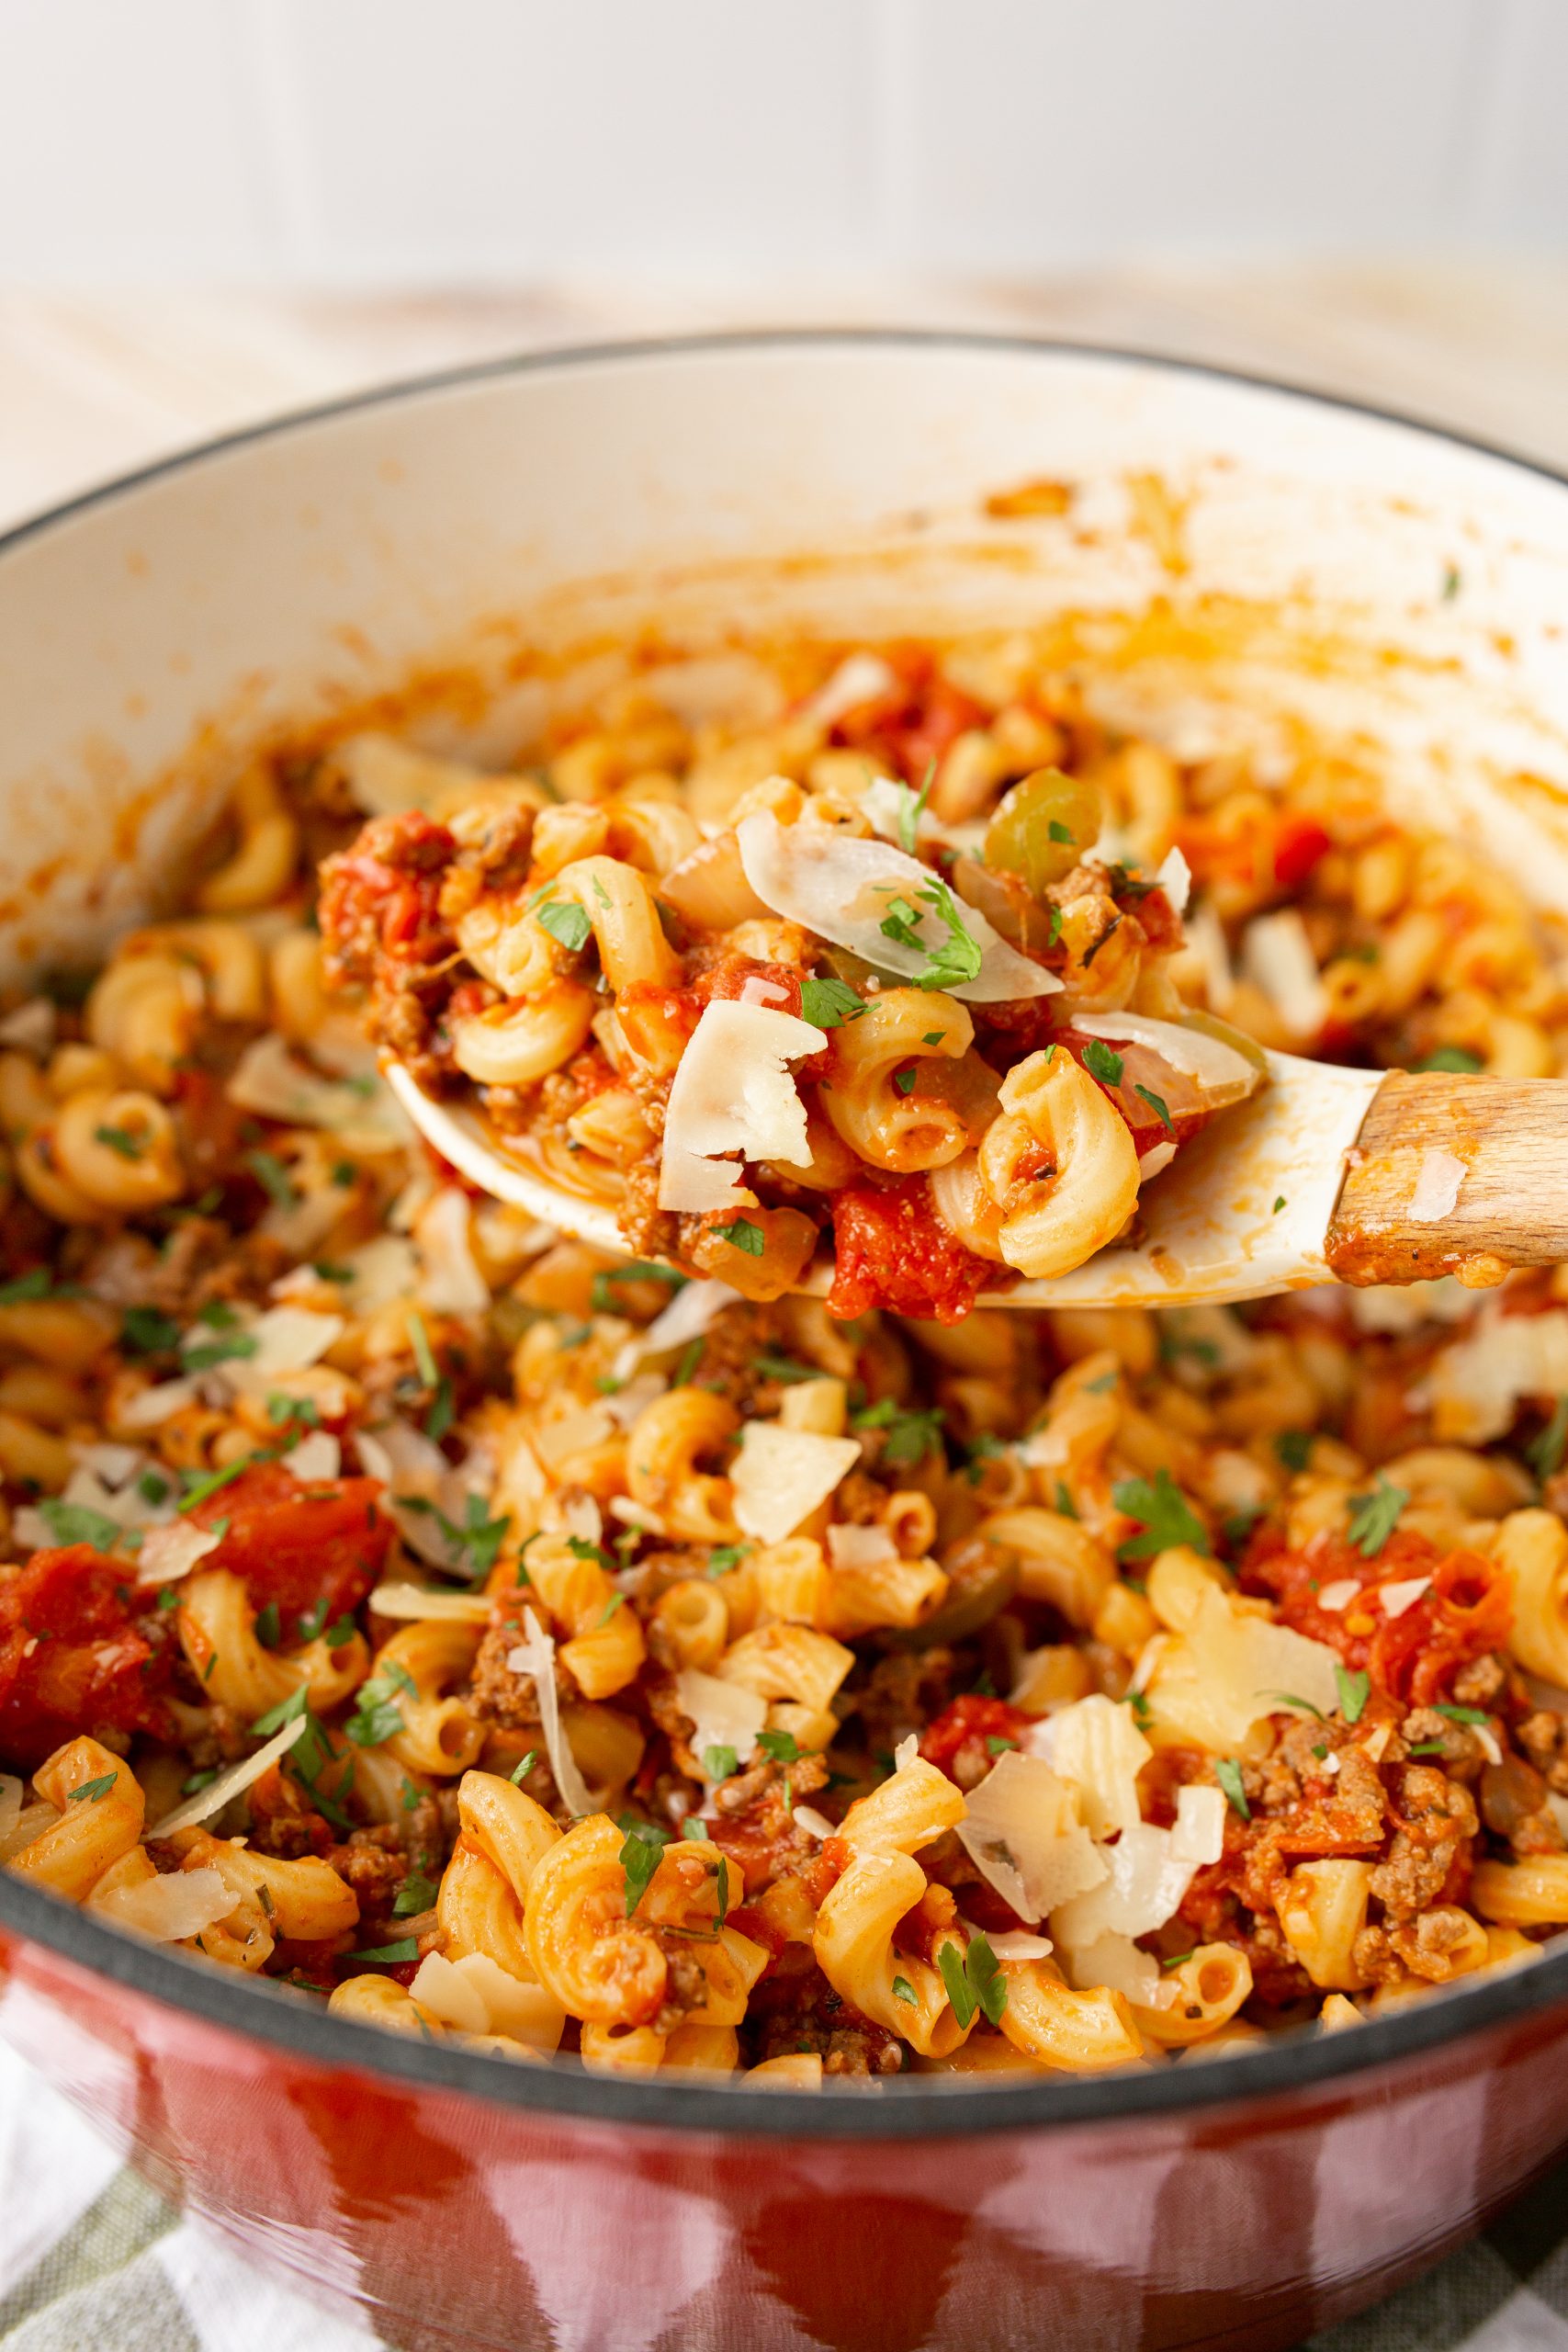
{"x":332,"y":143}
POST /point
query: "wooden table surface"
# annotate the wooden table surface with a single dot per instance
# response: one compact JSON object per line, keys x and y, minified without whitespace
{"x":91,"y":385}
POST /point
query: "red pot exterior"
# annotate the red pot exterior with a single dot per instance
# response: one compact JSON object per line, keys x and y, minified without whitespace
{"x":453,"y":2221}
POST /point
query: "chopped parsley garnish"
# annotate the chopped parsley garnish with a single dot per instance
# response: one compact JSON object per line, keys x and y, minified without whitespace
{"x":782,"y":1746}
{"x":904,"y":1990}
{"x":521,"y":1771}
{"x":616,"y":1600}
{"x":1427,"y":1747}
{"x":1355,"y":1690}
{"x":1289,"y":1699}
{"x":392,"y":1954}
{"x":1058,"y":831}
{"x":75,"y":1523}
{"x":1227,"y":1771}
{"x":273,"y":1178}
{"x":719,"y":1762}
{"x":1451,"y":582}
{"x":325,"y":1272}
{"x":911,"y":808}
{"x":311,"y":1621}
{"x":913,"y":1434}
{"x":996,"y":1744}
{"x":828,"y":1003}
{"x":742,"y":1235}
{"x":983,"y":1449}
{"x":148,"y":1332}
{"x":377,"y":1716}
{"x":209,"y":1353}
{"x":695,"y":1826}
{"x":955,"y":958}
{"x":903,"y":1080}
{"x":784,"y":1368}
{"x":725,"y":1556}
{"x":480,"y":1536}
{"x":1279,"y":1204}
{"x":565,"y":921}
{"x":1102,"y":1063}
{"x":408,"y":1796}
{"x":975,"y":1982}
{"x":423,"y":1356}
{"x":1064,"y":1503}
{"x":303,"y":1409}
{"x":636,"y":1269}
{"x":267,"y":1626}
{"x":199,"y":1781}
{"x":442,"y":1411}
{"x":1544,"y":1452}
{"x":1461,"y":1714}
{"x":1239,"y":1525}
{"x":641,"y":1851}
{"x":121,"y":1140}
{"x":414,"y":1895}
{"x":92,"y":1791}
{"x":691,"y":1357}
{"x":1143,"y":1714}
{"x":1375,"y":1515}
{"x":1450,"y":1058}
{"x":1294,"y":1448}
{"x":36,"y":1282}
{"x":1157,"y":1105}
{"x":209,"y":1482}
{"x":1163,"y":1513}
{"x":167,"y":1599}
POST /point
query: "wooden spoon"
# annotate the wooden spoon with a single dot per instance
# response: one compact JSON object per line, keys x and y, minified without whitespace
{"x":1326,"y":1175}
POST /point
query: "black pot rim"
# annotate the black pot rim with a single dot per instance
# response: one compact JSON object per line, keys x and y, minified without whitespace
{"x":919,"y":2106}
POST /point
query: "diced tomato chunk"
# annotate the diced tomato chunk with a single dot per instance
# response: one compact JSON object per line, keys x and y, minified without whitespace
{"x":1413,"y":1657}
{"x":916,"y":721}
{"x":298,"y":1545}
{"x":969,"y":1717}
{"x":380,"y":898}
{"x":76,"y":1654}
{"x":1299,"y":845}
{"x":891,"y":1249}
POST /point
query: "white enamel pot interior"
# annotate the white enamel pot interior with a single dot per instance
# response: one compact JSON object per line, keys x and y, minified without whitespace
{"x":1289,"y":558}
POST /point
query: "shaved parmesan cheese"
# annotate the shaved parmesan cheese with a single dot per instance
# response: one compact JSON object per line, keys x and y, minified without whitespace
{"x":1437,"y":1186}
{"x":1019,"y":1944}
{"x":860,"y":1547}
{"x":580,"y":1517}
{"x":724,"y":1714}
{"x":689,"y":1315}
{"x":422,"y":1604}
{"x":1116,"y":1962}
{"x":449,"y":1995}
{"x":1217,"y":1068}
{"x":1215,"y":1680}
{"x":230,"y":1785}
{"x":1206,"y":940}
{"x":1153,"y":1162}
{"x":1175,"y":879}
{"x":570,"y":1429}
{"x":30,"y":1028}
{"x":287,"y":1339}
{"x":1338,"y":1595}
{"x":906,"y":1752}
{"x":1487,"y":1738}
{"x":1024,"y":1835}
{"x":169,"y":1553}
{"x":1397,"y":1598}
{"x":524,"y":2011}
{"x":1096,"y":1745}
{"x":450,"y":1284}
{"x":841,"y":889}
{"x":624,"y":1404}
{"x":859,"y":678}
{"x":268,"y":1080}
{"x":1276,"y":956}
{"x":170,"y":1908}
{"x":114,"y":1464}
{"x":151,"y":1407}
{"x":632,"y":1514}
{"x":815,"y":1823}
{"x":315,"y":1459}
{"x":1200,"y":1832}
{"x":1475,"y":1384}
{"x":781,"y":1476}
{"x":1142,"y":1885}
{"x":733,"y":1092}
{"x":758,"y":991}
{"x":536,"y":1656}
{"x":401,"y":1457}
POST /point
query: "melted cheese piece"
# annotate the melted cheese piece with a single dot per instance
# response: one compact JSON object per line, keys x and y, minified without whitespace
{"x":536,"y":1656}
{"x":239,"y":1777}
{"x":724,"y":1714}
{"x":733,"y":1092}
{"x":781,"y":1476}
{"x":841,"y":889}
{"x":1024,"y":1835}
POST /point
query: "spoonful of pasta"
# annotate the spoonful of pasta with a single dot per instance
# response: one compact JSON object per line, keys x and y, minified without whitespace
{"x":838,"y":1047}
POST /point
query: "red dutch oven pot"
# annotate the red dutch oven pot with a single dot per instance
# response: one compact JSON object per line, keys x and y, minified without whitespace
{"x":415,"y":546}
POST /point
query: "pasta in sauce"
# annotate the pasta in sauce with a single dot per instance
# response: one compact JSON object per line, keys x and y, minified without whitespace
{"x":578,"y":1657}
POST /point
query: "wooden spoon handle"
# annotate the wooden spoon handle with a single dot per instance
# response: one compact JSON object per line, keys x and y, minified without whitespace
{"x":1454,"y":1175}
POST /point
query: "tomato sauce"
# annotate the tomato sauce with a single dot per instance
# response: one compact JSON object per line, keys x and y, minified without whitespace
{"x":380,"y":899}
{"x":300,"y":1546}
{"x":78,"y":1653}
{"x":890,"y":1249}
{"x":1464,"y":1615}
{"x":917,"y":722}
